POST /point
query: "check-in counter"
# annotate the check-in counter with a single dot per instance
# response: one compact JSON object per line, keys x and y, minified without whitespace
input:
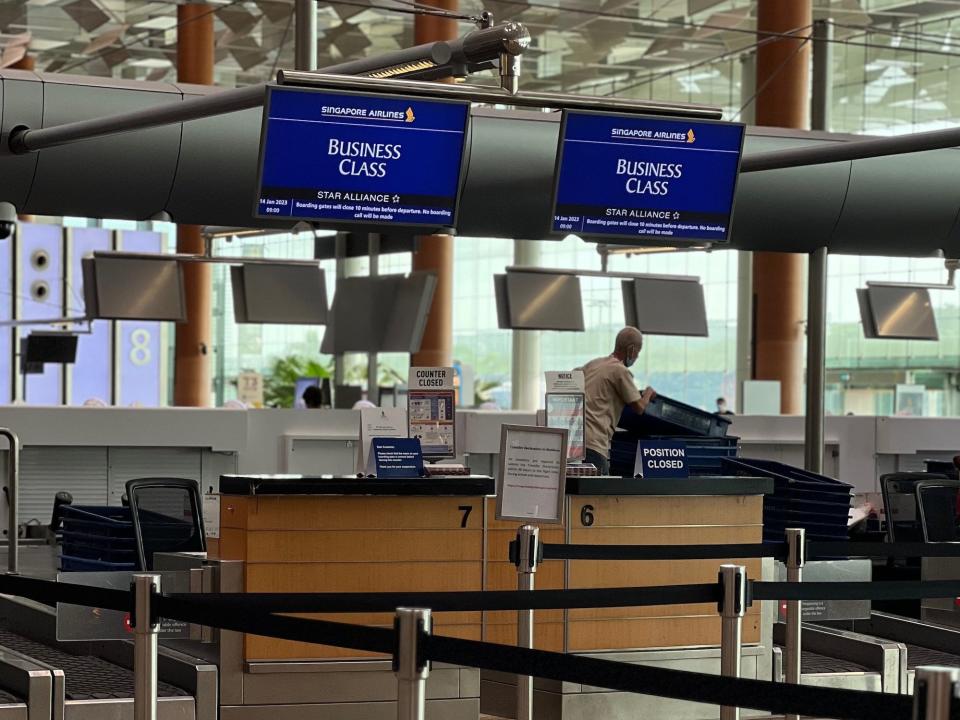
{"x":349,"y":534}
{"x":628,"y":511}
{"x":329,"y":534}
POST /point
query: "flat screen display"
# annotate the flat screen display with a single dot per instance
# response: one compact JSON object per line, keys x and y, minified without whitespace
{"x":51,"y":347}
{"x":355,"y":158}
{"x":902,"y":312}
{"x":384,"y":313}
{"x":544,"y":301}
{"x":866,"y":314}
{"x":627,"y":176}
{"x":666,"y":306}
{"x":133,"y":288}
{"x":279,"y":293}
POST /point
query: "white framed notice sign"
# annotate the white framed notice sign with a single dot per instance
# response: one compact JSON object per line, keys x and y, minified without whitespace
{"x":533,"y":473}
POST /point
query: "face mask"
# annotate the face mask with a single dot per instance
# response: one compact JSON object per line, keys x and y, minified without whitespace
{"x":630,"y":360}
{"x":721,"y":408}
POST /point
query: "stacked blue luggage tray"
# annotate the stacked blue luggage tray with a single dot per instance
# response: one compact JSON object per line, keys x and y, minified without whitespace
{"x":97,"y":538}
{"x":801,"y":499}
{"x":102,"y":538}
{"x":704,"y":434}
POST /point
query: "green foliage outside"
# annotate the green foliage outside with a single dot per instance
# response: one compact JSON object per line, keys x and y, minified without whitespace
{"x":279,"y":382}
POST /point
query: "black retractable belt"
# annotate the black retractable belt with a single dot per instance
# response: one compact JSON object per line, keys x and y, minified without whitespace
{"x":777,"y":698}
{"x":889,"y":590}
{"x":50,"y":592}
{"x":665,"y":552}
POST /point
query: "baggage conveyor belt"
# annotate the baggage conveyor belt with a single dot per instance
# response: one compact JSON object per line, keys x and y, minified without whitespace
{"x":86,"y":677}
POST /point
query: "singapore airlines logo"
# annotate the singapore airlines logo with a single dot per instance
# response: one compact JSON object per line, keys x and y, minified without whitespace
{"x":410,"y":115}
{"x":691,"y":138}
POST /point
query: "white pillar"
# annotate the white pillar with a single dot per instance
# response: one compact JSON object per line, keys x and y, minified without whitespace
{"x":525,"y":365}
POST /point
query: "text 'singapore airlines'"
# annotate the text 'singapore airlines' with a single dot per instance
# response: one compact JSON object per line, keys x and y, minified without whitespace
{"x":643,"y":177}
{"x":357,"y":158}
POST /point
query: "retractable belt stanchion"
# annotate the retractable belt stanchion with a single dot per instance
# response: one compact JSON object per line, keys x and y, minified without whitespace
{"x":411,"y":670}
{"x":796,"y":558}
{"x":145,"y":631}
{"x":528,"y":556}
{"x":934,"y":692}
{"x":733,"y":602}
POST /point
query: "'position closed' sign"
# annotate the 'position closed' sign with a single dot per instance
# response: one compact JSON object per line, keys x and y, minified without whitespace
{"x":661,"y":459}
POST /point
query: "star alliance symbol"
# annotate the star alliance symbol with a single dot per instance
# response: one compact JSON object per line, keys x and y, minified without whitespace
{"x":676,"y":216}
{"x":396,"y":198}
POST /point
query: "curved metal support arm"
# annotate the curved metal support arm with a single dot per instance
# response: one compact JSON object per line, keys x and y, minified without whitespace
{"x":13,"y":496}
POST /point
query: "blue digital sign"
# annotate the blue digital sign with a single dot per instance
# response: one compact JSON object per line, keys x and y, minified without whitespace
{"x":354,"y":158}
{"x":641,"y":177}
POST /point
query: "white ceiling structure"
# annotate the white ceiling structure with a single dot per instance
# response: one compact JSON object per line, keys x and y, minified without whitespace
{"x":893,"y":61}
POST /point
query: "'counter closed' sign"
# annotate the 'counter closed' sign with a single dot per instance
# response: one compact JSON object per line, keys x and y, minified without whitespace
{"x":661,"y":459}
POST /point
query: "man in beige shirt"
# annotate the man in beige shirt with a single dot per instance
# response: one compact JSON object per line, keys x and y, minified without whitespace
{"x":609,"y":387}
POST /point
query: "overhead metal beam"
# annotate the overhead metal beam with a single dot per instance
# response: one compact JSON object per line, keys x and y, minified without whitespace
{"x":855,"y":150}
{"x":492,"y":94}
{"x":25,"y":140}
{"x":480,"y":48}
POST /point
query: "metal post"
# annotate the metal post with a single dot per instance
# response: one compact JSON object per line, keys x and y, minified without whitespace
{"x":340,"y":255}
{"x":145,"y":632}
{"x":411,"y":672}
{"x":816,"y":359}
{"x":528,"y":553}
{"x":733,"y":602}
{"x":373,"y":378}
{"x":796,"y":558}
{"x":934,"y":691}
{"x":13,"y":499}
{"x":305,"y":38}
{"x":821,"y":97}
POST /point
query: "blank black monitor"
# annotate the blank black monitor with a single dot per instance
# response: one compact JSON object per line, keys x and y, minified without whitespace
{"x":133,"y":288}
{"x":503,"y":302}
{"x":385,"y":313}
{"x":902,"y":312}
{"x":666,"y":306}
{"x":50,"y":347}
{"x":544,"y":301}
{"x":866,"y":315}
{"x":279,"y":293}
{"x":346,"y":396}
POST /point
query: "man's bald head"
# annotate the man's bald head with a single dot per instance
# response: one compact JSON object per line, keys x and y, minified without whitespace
{"x":628,"y":346}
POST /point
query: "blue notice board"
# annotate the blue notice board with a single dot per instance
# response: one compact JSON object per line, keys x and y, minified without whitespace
{"x":397,"y":457}
{"x":658,"y":459}
{"x":357,"y":158}
{"x":639,"y":177}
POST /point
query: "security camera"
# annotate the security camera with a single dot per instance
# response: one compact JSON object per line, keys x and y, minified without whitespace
{"x":8,"y":220}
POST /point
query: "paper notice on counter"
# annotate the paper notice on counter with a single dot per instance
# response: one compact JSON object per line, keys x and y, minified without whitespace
{"x":211,"y":516}
{"x":532,"y":474}
{"x":378,"y":423}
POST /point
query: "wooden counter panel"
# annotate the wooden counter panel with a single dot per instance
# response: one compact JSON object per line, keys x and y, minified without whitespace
{"x":650,"y":573}
{"x":651,"y":611}
{"x":686,"y":535}
{"x":308,"y":546}
{"x":364,"y":577}
{"x":642,"y":633}
{"x":257,"y":647}
{"x":546,"y":636}
{"x":318,"y":512}
{"x":666,"y":511}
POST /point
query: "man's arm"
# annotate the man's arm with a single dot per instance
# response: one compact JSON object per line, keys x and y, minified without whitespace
{"x":640,"y":406}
